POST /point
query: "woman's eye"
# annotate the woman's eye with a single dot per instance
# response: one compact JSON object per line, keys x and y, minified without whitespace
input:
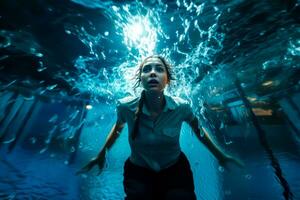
{"x":160,"y":69}
{"x":146,"y":69}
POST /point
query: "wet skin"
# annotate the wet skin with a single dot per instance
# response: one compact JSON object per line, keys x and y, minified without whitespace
{"x":154,"y":75}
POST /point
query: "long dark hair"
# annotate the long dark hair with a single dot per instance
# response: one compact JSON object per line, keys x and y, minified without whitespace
{"x":137,"y":116}
{"x":142,"y":99}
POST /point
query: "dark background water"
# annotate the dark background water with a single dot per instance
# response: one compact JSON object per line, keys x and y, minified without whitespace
{"x":64,"y":63}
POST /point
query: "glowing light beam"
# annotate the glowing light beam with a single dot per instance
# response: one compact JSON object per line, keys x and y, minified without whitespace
{"x":139,"y":33}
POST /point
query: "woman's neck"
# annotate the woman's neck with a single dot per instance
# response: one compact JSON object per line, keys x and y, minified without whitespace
{"x":154,"y":101}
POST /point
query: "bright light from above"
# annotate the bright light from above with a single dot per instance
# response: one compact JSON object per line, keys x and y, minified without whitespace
{"x":140,"y":34}
{"x":135,"y":31}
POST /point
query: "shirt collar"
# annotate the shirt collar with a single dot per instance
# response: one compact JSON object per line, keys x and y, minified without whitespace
{"x":170,"y":105}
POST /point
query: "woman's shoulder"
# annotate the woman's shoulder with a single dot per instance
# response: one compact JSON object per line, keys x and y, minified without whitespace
{"x":128,"y":101}
{"x":175,"y":101}
{"x":183,"y":107}
{"x":178,"y":100}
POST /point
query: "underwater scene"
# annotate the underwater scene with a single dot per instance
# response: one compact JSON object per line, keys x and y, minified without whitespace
{"x":64,"y":65}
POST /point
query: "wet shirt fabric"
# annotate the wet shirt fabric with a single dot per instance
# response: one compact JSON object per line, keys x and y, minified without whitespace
{"x":156,"y":145}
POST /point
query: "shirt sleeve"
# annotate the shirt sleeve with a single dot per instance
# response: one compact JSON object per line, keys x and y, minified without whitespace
{"x":120,"y":112}
{"x":188,"y":113}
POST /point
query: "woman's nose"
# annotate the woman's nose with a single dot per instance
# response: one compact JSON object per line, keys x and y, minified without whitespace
{"x":152,"y":73}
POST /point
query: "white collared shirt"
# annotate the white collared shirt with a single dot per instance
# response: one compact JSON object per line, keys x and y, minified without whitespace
{"x":156,"y":145}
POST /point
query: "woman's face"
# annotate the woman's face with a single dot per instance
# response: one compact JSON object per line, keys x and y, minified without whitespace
{"x":154,"y":75}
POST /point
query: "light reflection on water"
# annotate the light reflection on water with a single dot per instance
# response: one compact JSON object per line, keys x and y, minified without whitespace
{"x":143,"y":34}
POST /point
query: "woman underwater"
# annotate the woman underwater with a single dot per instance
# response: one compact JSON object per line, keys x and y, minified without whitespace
{"x":156,"y":168}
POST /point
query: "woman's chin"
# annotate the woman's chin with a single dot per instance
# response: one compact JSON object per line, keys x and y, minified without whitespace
{"x":154,"y":89}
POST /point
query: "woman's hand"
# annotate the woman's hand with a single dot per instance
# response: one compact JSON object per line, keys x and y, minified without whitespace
{"x":99,"y":160}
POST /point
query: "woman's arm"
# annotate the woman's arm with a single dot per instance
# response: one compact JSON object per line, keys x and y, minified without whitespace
{"x":112,"y":136}
{"x":110,"y":140}
{"x":222,"y":157}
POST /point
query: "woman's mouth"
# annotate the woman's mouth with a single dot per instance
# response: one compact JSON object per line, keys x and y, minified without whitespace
{"x":153,"y":82}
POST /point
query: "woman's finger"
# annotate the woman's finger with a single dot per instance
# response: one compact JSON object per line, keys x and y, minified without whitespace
{"x":100,"y":166}
{"x":81,"y":171}
{"x":86,"y":168}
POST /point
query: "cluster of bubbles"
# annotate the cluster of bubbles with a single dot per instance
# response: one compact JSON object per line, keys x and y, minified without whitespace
{"x":146,"y":32}
{"x":185,"y":32}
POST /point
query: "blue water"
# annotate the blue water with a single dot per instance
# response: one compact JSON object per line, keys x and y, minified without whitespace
{"x":63,"y":65}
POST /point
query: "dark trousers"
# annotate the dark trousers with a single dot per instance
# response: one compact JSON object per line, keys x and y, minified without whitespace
{"x":174,"y":183}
